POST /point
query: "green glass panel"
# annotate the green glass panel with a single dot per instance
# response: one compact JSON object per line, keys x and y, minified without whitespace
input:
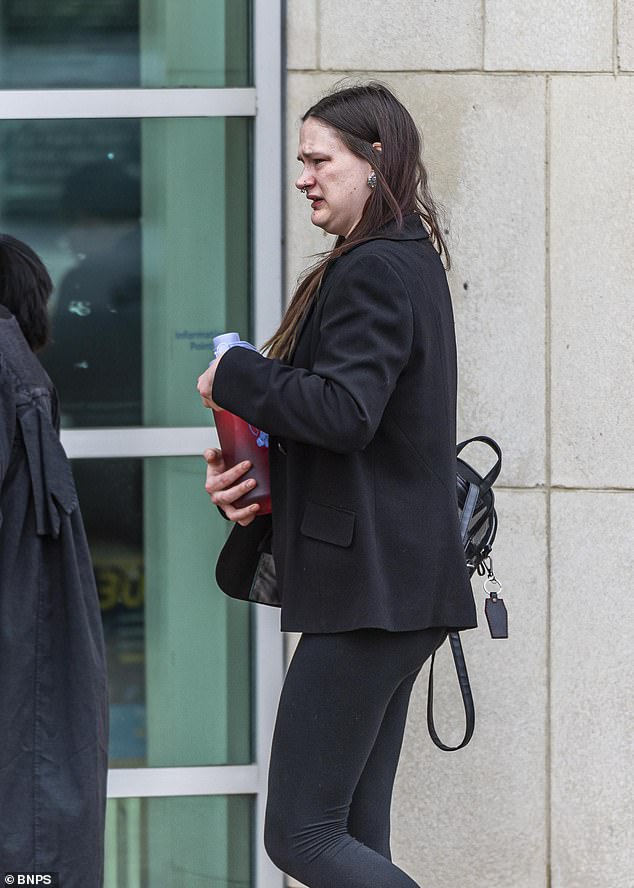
{"x":144,"y":226}
{"x":195,"y":260}
{"x":125,"y":43}
{"x":178,"y":649}
{"x":189,"y":842}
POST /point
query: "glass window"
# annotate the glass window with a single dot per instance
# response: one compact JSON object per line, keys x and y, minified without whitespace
{"x":178,"y":649}
{"x":124,"y":43}
{"x":145,"y":228}
{"x":189,"y":842}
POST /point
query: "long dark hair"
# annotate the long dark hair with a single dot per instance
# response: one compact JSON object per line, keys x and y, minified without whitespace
{"x":361,"y":116}
{"x":25,"y":288}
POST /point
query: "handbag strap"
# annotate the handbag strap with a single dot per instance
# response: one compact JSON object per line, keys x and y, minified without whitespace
{"x":468,"y":509}
{"x":490,"y":478}
{"x":471,"y":500}
{"x":465,"y":689}
{"x":473,"y":493}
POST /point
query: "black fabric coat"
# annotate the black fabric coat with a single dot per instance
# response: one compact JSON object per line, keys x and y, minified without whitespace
{"x":363,"y":448}
{"x":53,"y":704}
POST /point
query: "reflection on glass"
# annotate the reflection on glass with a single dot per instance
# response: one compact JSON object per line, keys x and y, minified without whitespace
{"x":144,"y":226}
{"x":124,"y":43}
{"x":111,"y":496}
{"x":177,"y":648}
{"x":95,"y":357}
{"x":189,"y":842}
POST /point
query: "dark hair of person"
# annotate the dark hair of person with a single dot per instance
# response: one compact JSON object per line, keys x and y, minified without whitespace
{"x":361,"y":116}
{"x":25,"y":288}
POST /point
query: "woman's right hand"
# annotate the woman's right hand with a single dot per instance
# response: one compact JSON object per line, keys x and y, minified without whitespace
{"x":224,"y":487}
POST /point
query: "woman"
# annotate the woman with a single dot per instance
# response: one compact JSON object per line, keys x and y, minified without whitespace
{"x":53,"y":706}
{"x":358,"y":394}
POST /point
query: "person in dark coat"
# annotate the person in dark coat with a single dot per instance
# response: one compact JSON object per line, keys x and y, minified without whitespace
{"x":358,"y":394}
{"x":53,"y":698}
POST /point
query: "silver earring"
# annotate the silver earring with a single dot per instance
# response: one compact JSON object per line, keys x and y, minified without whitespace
{"x":372,"y":180}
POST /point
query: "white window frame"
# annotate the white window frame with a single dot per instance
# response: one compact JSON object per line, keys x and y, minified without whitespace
{"x":264,"y":104}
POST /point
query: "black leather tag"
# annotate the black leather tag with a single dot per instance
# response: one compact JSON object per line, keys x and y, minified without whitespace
{"x":497,"y":618}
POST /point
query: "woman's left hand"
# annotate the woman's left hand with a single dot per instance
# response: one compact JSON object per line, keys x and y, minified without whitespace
{"x":206,"y":384}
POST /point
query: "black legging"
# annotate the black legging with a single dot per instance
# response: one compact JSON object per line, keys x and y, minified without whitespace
{"x":336,"y":747}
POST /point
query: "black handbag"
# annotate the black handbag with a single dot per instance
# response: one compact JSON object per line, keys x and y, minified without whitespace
{"x":478,"y":526}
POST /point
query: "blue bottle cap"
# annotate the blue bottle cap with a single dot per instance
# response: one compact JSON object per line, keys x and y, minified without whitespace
{"x":229,"y":340}
{"x":225,"y":340}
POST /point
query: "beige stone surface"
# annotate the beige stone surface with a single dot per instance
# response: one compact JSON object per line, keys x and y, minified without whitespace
{"x":401,"y":35}
{"x":478,"y":817}
{"x":567,"y":35}
{"x":302,"y":35}
{"x":592,"y":276}
{"x":626,"y":35}
{"x":592,"y":677}
{"x":484,"y":147}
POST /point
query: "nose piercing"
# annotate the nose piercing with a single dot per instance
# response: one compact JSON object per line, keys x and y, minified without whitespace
{"x":303,"y":190}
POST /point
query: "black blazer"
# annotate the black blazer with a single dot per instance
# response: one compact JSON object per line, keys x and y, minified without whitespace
{"x":363,"y":447}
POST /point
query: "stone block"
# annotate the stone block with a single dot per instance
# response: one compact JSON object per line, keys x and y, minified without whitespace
{"x":570,"y":35}
{"x":626,"y":35}
{"x":301,"y":34}
{"x":484,"y":148}
{"x":592,"y":231}
{"x":400,"y":35}
{"x":478,"y":817}
{"x":592,"y":673}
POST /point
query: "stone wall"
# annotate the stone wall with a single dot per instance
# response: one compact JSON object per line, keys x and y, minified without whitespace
{"x":527,"y":111}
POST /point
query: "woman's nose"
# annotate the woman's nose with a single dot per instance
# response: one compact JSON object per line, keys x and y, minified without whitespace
{"x":303,"y":181}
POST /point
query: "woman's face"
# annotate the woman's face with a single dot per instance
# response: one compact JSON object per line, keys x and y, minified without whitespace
{"x":335,"y":179}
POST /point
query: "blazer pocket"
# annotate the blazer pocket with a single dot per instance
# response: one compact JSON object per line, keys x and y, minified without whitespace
{"x":328,"y":524}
